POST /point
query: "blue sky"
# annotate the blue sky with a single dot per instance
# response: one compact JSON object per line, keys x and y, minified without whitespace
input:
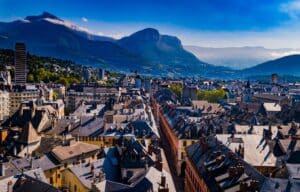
{"x":216,"y":23}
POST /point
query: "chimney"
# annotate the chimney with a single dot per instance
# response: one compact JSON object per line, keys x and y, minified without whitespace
{"x":243,"y":186}
{"x":230,"y":154}
{"x":101,"y":175}
{"x":10,"y":186}
{"x":203,"y":144}
{"x":163,"y":180}
{"x":92,"y":169}
{"x":159,"y":165}
{"x":240,"y":169}
{"x":254,"y":185}
{"x":150,"y":149}
{"x":146,"y":165}
{"x":2,"y":171}
{"x":232,"y":172}
{"x":31,"y":163}
{"x":163,"y":186}
{"x":15,"y":150}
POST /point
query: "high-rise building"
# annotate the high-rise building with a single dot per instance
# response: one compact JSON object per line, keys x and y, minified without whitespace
{"x":274,"y":78}
{"x":101,"y":74}
{"x":20,"y":63}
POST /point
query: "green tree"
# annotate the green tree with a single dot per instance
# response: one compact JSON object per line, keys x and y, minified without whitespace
{"x":177,"y":89}
{"x":211,"y":96}
{"x":64,"y":81}
{"x":30,"y":78}
{"x":55,"y":95}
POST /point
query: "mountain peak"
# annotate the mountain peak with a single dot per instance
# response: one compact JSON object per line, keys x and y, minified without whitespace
{"x":44,"y":15}
{"x":148,"y":34}
{"x":149,"y":30}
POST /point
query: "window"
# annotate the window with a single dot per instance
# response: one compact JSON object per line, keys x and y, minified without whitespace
{"x":75,"y":188}
{"x":184,"y":143}
{"x":51,"y":180}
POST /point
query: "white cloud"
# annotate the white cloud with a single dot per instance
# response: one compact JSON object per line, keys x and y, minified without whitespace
{"x":70,"y":25}
{"x":99,"y":33}
{"x":84,"y":19}
{"x":292,"y":8}
{"x":285,"y":36}
{"x":279,"y":54}
{"x":117,"y":36}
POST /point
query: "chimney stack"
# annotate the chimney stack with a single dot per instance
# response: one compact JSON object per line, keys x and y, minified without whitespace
{"x":163,"y":186}
{"x":254,"y":185}
{"x":163,"y":180}
{"x":101,"y":175}
{"x":159,"y":165}
{"x":10,"y":186}
{"x":203,"y":144}
{"x":243,"y":186}
{"x":232,"y":172}
{"x":2,"y":171}
{"x":150,"y":149}
{"x":240,"y":169}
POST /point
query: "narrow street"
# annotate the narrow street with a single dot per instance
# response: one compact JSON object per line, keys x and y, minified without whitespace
{"x":168,"y":165}
{"x":178,"y":181}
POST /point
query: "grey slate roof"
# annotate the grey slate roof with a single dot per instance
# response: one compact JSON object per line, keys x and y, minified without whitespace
{"x":28,"y":183}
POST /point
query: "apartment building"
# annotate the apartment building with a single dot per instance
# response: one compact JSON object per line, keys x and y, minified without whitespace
{"x":19,"y":94}
{"x":4,"y":105}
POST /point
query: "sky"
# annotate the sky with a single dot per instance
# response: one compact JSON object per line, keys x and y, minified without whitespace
{"x":208,"y":23}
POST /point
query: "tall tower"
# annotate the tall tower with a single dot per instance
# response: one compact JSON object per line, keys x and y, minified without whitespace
{"x":274,"y":78}
{"x":20,"y":63}
{"x":101,"y":74}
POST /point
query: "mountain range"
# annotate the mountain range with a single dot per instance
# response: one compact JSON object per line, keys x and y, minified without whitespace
{"x":288,"y":65}
{"x":146,"y":51}
{"x":239,"y":57}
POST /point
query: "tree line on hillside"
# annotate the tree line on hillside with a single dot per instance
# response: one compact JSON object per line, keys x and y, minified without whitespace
{"x":42,"y":69}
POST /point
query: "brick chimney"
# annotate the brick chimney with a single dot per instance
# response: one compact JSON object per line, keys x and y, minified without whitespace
{"x":10,"y":186}
{"x":243,"y":186}
{"x":240,"y":169}
{"x":254,"y":185}
{"x":159,"y":165}
{"x":203,"y":144}
{"x":232,"y":172}
{"x":163,"y":186}
{"x":150,"y":149}
{"x":230,"y":154}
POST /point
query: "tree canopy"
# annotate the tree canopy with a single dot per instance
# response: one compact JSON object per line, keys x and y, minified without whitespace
{"x":211,"y":96}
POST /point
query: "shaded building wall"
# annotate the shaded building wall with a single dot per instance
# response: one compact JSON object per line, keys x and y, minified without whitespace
{"x":192,"y":180}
